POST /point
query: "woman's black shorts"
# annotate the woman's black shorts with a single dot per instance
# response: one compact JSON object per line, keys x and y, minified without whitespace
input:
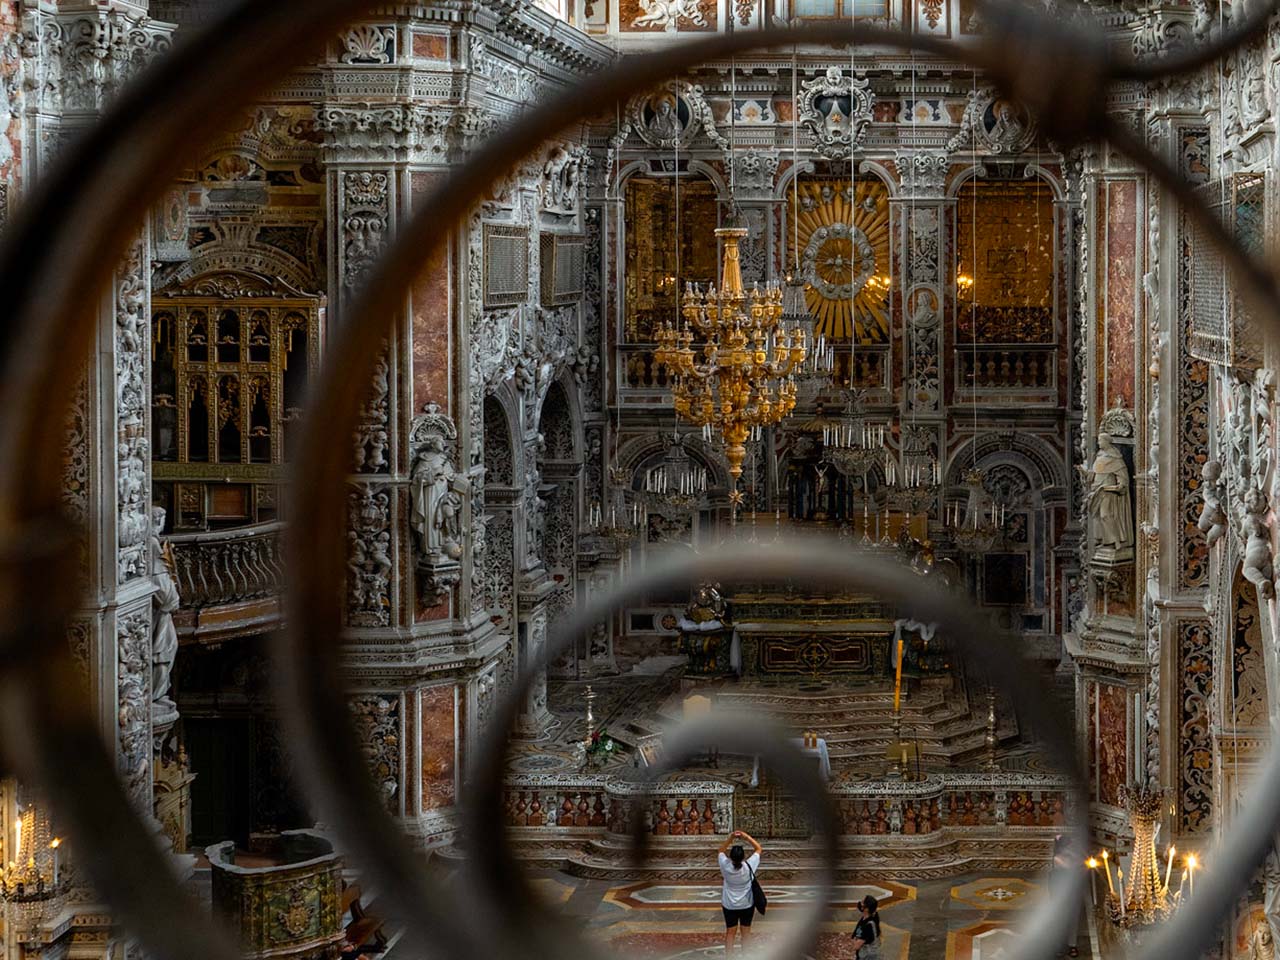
{"x":734,"y":917}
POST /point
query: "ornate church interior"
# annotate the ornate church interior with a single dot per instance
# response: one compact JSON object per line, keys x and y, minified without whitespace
{"x":470,"y":466}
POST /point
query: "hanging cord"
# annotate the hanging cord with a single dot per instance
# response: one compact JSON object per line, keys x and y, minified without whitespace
{"x":853,"y":200}
{"x":795,"y":164}
{"x":973,"y":289}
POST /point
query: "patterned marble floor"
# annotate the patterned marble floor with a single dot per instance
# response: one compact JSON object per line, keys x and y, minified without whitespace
{"x":963,"y":918}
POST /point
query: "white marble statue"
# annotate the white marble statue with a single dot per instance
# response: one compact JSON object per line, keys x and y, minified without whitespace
{"x":164,"y":636}
{"x":1261,"y":942}
{"x":1108,"y":502}
{"x":436,"y":489}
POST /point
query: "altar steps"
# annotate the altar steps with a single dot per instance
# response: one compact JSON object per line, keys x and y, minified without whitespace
{"x":691,"y":860}
{"x":856,"y":723}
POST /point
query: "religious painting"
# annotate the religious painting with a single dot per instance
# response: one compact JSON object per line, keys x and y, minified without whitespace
{"x":842,"y":231}
{"x":1004,"y":247}
{"x":668,"y":224}
{"x":439,"y":747}
{"x":1004,"y":579}
{"x":1112,"y":745}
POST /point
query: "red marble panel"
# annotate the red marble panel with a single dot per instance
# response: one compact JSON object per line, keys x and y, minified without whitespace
{"x":1122,"y":243}
{"x":430,"y":298}
{"x":430,"y":46}
{"x":1113,"y":741}
{"x":439,"y":747}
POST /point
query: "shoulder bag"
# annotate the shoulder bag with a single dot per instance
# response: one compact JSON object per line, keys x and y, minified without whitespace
{"x":758,"y":899}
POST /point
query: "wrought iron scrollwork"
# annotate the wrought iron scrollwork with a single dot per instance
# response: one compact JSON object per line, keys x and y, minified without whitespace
{"x":61,"y":250}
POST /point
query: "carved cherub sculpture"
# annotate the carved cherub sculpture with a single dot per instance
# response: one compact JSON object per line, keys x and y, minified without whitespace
{"x":1258,"y":566}
{"x":1213,"y":516}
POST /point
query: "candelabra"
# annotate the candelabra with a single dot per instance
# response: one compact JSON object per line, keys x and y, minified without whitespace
{"x":1143,"y":898}
{"x":742,"y":373}
{"x":851,"y":444}
{"x":974,"y":529}
{"x":33,"y":872}
{"x":622,"y":520}
{"x":677,"y":484}
{"x":820,"y":362}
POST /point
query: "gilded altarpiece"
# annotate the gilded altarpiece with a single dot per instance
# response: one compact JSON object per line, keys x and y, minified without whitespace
{"x":229,"y":374}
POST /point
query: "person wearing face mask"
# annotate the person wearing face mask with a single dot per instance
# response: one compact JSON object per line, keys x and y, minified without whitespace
{"x":866,"y":934}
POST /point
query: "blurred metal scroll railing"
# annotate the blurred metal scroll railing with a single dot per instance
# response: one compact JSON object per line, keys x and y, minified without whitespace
{"x":61,"y":251}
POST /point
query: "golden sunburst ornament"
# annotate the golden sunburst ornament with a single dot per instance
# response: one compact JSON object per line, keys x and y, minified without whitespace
{"x":844,"y":257}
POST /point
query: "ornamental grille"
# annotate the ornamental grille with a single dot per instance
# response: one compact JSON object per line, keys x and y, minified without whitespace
{"x":506,"y":265}
{"x":1221,"y":330}
{"x":561,"y":269}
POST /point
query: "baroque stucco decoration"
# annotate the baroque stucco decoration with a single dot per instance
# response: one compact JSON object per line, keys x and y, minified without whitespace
{"x":994,"y":123}
{"x":837,"y":110}
{"x":667,"y":118}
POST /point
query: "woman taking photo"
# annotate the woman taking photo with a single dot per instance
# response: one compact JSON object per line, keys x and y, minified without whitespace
{"x":738,"y":870}
{"x":866,"y":935}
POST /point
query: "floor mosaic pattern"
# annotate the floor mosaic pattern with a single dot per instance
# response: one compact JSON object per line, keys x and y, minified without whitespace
{"x":971,"y":917}
{"x":692,"y":896}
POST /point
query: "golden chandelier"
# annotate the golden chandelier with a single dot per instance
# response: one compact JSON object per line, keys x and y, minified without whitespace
{"x":741,"y":374}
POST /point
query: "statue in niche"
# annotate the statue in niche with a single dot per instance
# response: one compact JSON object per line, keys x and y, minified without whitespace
{"x":1109,"y":503}
{"x":436,"y":490}
{"x":1213,"y":516}
{"x":164,"y":636}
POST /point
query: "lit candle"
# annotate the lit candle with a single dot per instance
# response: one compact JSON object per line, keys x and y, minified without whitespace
{"x":1106,"y":863}
{"x":1168,"y":870}
{"x":1092,"y":864}
{"x":1120,"y":879}
{"x":897,"y":682}
{"x":54,"y":844}
{"x":1192,"y":863}
{"x":1182,"y":883}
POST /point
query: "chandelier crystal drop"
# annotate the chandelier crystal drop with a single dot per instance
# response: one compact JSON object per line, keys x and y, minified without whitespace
{"x":732,"y":362}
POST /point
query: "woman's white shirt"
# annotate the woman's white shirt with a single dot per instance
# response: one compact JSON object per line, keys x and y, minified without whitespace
{"x":736,"y":894}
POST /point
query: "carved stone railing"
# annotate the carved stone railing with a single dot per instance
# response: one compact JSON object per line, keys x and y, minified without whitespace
{"x":229,"y":581}
{"x":289,"y":909}
{"x":606,"y":804}
{"x":640,"y":371}
{"x":952,"y":802}
{"x":947,"y":803}
{"x":1007,"y":368}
